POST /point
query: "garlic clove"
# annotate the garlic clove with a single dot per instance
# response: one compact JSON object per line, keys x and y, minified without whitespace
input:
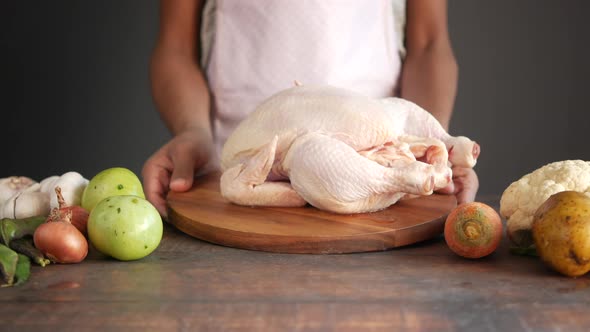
{"x":7,"y":207}
{"x":12,"y":185}
{"x":30,"y":204}
{"x":35,"y":187}
{"x":48,"y":184}
{"x":72,"y":186}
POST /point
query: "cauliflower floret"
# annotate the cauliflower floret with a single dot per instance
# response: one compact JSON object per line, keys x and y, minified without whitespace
{"x":522,"y":198}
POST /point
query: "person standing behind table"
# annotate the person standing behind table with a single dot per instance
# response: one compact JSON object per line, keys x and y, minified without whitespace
{"x":214,"y":61}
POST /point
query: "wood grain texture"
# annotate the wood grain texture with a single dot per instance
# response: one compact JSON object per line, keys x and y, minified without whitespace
{"x":203,"y":213}
{"x":192,"y":285}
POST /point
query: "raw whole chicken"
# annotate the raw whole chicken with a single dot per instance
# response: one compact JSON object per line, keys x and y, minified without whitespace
{"x":338,"y":151}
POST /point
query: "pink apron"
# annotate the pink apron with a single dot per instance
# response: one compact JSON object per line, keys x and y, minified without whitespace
{"x":260,"y":47}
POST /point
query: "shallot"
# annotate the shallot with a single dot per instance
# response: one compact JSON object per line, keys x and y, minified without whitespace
{"x":59,"y":240}
{"x":79,"y":214}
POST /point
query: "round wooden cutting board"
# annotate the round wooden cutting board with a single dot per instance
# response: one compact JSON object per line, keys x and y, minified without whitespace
{"x":203,"y":213}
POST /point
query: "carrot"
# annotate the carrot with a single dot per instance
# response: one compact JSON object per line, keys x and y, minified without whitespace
{"x":473,"y":230}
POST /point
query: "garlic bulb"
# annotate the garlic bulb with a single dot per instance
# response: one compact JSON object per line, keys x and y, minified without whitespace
{"x":48,"y":184}
{"x":21,"y":197}
{"x":11,"y":185}
{"x":25,"y":204}
{"x":72,"y":186}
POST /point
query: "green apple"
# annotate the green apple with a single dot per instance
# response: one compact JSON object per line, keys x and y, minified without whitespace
{"x":125,"y":227}
{"x":111,"y":182}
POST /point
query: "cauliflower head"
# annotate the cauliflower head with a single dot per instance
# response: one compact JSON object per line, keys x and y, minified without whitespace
{"x":522,"y":198}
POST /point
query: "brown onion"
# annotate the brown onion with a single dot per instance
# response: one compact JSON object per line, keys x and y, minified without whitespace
{"x":59,"y":240}
{"x":79,"y":214}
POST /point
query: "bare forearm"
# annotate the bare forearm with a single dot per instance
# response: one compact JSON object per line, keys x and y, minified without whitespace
{"x":180,"y":92}
{"x":429,"y":76}
{"x":429,"y":79}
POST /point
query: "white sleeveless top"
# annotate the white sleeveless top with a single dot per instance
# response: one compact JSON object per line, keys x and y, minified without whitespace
{"x":261,"y":47}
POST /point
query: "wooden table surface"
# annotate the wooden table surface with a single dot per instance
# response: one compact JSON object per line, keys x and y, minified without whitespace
{"x":190,"y":285}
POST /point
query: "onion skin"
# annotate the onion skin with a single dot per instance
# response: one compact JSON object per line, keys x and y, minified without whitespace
{"x":61,"y":242}
{"x":473,"y":230}
{"x":79,"y":217}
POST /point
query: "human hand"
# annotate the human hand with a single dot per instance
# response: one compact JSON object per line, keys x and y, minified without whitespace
{"x":464,"y":185}
{"x":173,"y":166}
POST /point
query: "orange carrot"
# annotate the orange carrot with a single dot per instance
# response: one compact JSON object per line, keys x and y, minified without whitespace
{"x":473,"y":230}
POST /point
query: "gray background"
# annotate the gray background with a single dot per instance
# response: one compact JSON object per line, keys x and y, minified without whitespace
{"x":75,"y":91}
